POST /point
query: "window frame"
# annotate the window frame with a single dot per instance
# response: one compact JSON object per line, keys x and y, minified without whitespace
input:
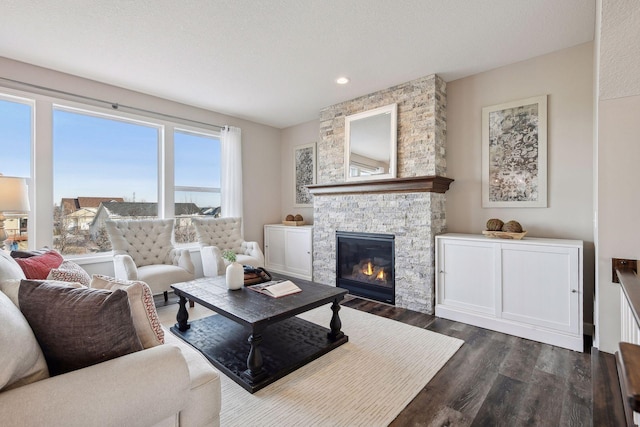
{"x":19,"y":97}
{"x":40,"y":226}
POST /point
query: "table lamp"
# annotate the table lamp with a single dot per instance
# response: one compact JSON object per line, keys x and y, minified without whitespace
{"x":14,"y":198}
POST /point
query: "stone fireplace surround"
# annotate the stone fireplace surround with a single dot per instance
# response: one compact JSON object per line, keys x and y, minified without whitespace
{"x":413,"y":212}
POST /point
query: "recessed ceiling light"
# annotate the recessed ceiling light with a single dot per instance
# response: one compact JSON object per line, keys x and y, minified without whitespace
{"x":342,"y":80}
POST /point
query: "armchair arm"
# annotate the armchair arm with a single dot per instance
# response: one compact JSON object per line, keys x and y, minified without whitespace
{"x":253,"y":249}
{"x":139,"y":389}
{"x":182,"y":258}
{"x":212,"y":262}
{"x":124,"y":267}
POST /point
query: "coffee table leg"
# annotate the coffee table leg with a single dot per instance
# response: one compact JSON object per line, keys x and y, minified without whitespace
{"x":183,"y":315}
{"x":254,"y":372}
{"x":335,"y":324}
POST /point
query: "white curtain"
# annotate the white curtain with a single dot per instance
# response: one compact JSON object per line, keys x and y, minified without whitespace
{"x":231,"y":179}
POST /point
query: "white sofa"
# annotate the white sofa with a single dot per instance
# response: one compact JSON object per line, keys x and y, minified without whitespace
{"x":167,"y":385}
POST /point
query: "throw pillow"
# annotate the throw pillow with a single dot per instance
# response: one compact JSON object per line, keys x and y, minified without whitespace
{"x":29,"y":254}
{"x":78,"y":327}
{"x":69,"y":271}
{"x":21,"y":360}
{"x":9,"y":268}
{"x":38,"y":266}
{"x":11,"y":288}
{"x":143,"y":309}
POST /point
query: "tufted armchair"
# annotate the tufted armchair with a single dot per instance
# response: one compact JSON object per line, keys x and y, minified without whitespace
{"x":216,"y":235}
{"x":144,"y":250}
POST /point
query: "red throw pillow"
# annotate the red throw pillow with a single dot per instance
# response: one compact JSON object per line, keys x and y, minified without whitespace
{"x":38,"y":267}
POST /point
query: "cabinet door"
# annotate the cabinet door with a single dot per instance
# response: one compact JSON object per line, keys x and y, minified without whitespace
{"x":274,"y":242}
{"x":467,"y":275}
{"x":298,"y":253}
{"x":541,"y":286}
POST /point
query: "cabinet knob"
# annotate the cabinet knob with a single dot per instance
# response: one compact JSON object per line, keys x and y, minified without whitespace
{"x":574,"y":291}
{"x":441,"y":271}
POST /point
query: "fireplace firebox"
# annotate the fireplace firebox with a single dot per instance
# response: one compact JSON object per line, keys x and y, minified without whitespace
{"x":365,"y":265}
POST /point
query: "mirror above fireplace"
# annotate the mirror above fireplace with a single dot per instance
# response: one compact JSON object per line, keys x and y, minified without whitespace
{"x":370,"y":144}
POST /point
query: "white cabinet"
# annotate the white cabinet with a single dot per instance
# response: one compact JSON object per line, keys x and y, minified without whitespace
{"x":530,"y":288}
{"x":288,"y":249}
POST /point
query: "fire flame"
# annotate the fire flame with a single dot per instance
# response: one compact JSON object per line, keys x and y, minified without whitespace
{"x":380,"y":275}
{"x":368,"y":270}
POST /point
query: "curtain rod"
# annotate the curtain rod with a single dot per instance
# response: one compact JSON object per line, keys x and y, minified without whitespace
{"x":113,"y":105}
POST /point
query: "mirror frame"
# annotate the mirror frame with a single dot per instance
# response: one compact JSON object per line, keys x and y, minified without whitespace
{"x":392,"y":110}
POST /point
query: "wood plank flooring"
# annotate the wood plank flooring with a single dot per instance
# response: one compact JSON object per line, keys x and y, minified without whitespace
{"x":495,"y":379}
{"x":501,"y":380}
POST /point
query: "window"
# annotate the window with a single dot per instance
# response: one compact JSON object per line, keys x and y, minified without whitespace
{"x":94,"y":163}
{"x":16,"y":124}
{"x":103,"y":167}
{"x":197,"y":180}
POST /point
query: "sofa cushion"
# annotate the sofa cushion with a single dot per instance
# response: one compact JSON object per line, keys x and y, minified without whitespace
{"x":21,"y":360}
{"x":143,"y":309}
{"x":11,"y":288}
{"x":9,"y":268}
{"x":69,"y":271}
{"x":38,"y":266}
{"x":29,"y":254}
{"x":78,"y":327}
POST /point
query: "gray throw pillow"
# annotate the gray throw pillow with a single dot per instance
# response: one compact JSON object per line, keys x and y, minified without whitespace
{"x":78,"y":327}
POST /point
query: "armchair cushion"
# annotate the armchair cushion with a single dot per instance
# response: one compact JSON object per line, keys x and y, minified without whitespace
{"x":224,"y":233}
{"x":21,"y":360}
{"x":216,"y":235}
{"x":147,"y":242}
{"x":78,"y":327}
{"x":143,"y":309}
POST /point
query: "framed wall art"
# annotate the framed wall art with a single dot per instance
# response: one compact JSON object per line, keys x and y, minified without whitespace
{"x":304,"y":170}
{"x":514,"y":154}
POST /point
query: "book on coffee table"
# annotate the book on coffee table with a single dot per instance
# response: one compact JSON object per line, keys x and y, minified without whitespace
{"x":276,"y":288}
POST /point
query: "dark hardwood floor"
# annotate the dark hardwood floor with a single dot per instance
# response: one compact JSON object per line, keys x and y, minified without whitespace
{"x":495,"y":379}
{"x":501,"y":380}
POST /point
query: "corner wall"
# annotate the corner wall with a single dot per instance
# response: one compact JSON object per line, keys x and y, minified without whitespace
{"x":618,"y":154}
{"x":567,"y":77}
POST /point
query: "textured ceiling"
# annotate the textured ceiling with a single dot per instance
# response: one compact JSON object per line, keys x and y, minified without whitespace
{"x":275,"y":61}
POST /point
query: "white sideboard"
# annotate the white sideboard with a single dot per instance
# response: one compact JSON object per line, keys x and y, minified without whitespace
{"x":530,"y":288}
{"x":288,"y":250}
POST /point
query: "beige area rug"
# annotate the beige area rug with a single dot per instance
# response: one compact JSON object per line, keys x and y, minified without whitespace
{"x":365,"y":382}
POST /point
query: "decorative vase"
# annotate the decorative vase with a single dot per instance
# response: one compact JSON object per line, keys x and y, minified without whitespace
{"x":235,"y":276}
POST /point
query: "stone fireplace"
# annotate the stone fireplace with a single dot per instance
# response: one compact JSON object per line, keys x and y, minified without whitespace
{"x":411,"y":208}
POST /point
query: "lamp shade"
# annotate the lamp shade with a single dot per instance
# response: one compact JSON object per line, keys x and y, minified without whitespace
{"x":14,"y":196}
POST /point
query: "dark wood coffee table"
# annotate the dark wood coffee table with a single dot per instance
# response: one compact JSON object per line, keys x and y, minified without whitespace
{"x":257,"y":339}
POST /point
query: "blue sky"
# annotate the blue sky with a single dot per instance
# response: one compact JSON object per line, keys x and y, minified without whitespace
{"x":15,"y":137}
{"x":99,"y":157}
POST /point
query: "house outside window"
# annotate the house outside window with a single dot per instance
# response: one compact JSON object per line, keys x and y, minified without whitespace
{"x":98,"y":159}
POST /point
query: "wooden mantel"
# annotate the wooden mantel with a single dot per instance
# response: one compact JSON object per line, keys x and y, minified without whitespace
{"x":416,"y":184}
